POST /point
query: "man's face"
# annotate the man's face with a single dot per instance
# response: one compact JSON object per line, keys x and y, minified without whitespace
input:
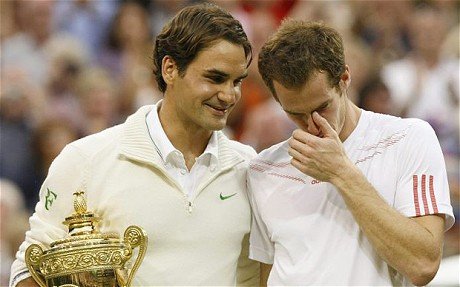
{"x":317,"y":95}
{"x":211,"y":86}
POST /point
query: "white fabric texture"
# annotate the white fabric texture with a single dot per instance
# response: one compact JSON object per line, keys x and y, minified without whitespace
{"x":303,"y":227}
{"x":198,"y":241}
{"x":174,"y":161}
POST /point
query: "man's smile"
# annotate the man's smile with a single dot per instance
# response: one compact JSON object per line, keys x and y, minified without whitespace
{"x":218,"y":110}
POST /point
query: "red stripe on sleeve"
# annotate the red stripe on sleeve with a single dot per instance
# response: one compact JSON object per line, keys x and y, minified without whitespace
{"x":424,"y":198}
{"x":415,"y":190}
{"x":432,"y":196}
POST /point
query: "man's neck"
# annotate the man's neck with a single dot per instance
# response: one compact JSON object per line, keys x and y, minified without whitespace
{"x":352,"y":115}
{"x":191,"y":142}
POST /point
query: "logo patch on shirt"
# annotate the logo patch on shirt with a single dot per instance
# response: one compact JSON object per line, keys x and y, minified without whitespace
{"x":224,"y":197}
{"x":49,"y":198}
{"x":315,"y":181}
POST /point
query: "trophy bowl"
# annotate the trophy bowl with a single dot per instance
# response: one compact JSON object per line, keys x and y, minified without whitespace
{"x":86,"y":257}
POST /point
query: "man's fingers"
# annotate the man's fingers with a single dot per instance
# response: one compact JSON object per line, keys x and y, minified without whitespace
{"x":323,"y":125}
{"x":301,"y":146}
{"x":305,"y":137}
{"x":298,"y":155}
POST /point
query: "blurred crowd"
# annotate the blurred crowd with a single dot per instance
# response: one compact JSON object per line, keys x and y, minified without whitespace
{"x":73,"y":68}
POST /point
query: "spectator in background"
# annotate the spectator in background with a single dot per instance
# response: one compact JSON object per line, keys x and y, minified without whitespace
{"x":67,"y":58}
{"x":260,"y":23}
{"x":13,"y":224}
{"x":25,"y":49}
{"x":160,"y":11}
{"x":424,"y":84}
{"x":86,"y":20}
{"x":98,"y":100}
{"x":266,"y":125}
{"x":341,"y":15}
{"x":255,"y":112}
{"x":383,"y":26}
{"x":375,"y":97}
{"x":8,"y":23}
{"x":16,"y":127}
{"x":48,"y":140}
{"x":128,"y":56}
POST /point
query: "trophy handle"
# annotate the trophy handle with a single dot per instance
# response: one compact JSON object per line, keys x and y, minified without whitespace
{"x":32,"y":258}
{"x":136,"y":237}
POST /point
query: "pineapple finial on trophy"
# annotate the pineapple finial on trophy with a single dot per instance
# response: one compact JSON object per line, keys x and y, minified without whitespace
{"x":79,"y":202}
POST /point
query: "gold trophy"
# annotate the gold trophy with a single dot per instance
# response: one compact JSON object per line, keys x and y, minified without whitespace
{"x":86,"y":257}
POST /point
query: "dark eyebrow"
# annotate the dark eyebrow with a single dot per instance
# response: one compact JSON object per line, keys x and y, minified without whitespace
{"x":293,"y":113}
{"x":322,"y":105}
{"x":215,"y":72}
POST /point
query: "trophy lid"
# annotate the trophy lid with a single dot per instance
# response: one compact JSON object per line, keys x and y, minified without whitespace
{"x":82,"y":226}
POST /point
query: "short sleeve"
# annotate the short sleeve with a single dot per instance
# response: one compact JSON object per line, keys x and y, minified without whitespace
{"x":422,"y":187}
{"x":261,"y":248}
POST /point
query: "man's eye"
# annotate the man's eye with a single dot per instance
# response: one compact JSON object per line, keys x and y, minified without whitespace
{"x":217,"y":80}
{"x":322,"y":108}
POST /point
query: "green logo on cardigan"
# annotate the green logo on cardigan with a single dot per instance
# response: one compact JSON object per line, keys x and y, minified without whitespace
{"x":223,"y":197}
{"x":49,"y":198}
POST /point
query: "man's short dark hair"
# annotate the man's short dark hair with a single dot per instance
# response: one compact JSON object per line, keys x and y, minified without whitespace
{"x":298,"y":50}
{"x":193,"y":29}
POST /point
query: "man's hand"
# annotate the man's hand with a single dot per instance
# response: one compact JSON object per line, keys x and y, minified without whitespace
{"x":28,"y":282}
{"x":322,"y":158}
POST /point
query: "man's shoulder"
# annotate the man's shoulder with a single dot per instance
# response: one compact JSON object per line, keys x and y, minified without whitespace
{"x":388,"y":123}
{"x":274,"y":157}
{"x":391,"y":127}
{"x":246,"y":151}
{"x":277,"y":152}
{"x":92,"y":144}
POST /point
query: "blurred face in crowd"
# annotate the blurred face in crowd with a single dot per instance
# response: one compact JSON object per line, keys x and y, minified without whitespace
{"x":206,"y":93}
{"x":37,"y":18}
{"x":133,"y":24}
{"x":428,"y":30}
{"x":317,"y":95}
{"x":53,"y":136}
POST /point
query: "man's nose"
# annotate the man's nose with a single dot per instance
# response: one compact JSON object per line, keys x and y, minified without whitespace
{"x":228,"y":94}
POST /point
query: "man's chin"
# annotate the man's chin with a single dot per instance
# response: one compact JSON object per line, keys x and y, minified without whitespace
{"x":217,"y":126}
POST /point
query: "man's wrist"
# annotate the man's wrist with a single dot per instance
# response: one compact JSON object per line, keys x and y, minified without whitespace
{"x":347,"y":177}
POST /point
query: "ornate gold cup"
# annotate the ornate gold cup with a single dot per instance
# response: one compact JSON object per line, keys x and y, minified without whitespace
{"x":86,"y":257}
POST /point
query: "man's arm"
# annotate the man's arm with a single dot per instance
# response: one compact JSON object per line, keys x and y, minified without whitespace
{"x":247,"y":269}
{"x":412,"y":246}
{"x":28,"y":282}
{"x":264,"y":273}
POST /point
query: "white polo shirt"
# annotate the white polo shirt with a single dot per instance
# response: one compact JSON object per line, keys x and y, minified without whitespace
{"x":303,"y":227}
{"x":174,"y":161}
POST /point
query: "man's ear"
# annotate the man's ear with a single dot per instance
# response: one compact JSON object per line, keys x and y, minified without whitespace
{"x":345,"y":79}
{"x":168,"y":70}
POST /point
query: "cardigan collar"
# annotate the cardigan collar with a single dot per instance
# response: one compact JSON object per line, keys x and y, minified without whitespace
{"x":136,"y":143}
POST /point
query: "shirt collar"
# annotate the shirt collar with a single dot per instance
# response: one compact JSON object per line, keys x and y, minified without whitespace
{"x":164,"y":146}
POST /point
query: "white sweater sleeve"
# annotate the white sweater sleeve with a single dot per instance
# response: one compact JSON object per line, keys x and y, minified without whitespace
{"x":67,"y":174}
